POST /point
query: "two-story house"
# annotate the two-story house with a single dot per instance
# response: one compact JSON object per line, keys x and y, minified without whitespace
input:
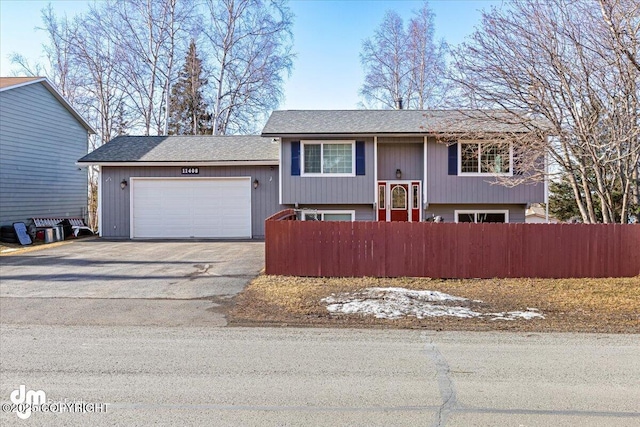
{"x":398,"y":165}
{"x":41,"y":137}
{"x":358,"y":165}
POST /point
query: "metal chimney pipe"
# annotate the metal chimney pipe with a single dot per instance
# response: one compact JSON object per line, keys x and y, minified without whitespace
{"x":398,"y":103}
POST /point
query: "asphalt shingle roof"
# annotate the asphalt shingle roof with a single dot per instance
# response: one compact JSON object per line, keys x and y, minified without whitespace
{"x":327,"y":122}
{"x":185,"y":149}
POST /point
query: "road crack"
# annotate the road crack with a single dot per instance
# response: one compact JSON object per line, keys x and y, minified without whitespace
{"x":445,"y":383}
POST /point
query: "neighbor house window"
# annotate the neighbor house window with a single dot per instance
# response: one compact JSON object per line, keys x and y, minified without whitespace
{"x":335,"y":158}
{"x":482,"y":216}
{"x":485,"y":158}
{"x":328,"y":216}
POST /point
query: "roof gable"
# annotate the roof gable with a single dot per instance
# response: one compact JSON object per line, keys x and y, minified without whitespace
{"x":9,"y":83}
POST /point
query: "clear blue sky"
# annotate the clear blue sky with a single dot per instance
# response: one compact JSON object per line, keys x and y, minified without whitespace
{"x":328,"y":37}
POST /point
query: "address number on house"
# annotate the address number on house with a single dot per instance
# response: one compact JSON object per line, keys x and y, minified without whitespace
{"x":190,"y":171}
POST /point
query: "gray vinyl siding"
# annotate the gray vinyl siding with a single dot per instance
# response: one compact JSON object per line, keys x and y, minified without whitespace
{"x":40,"y":142}
{"x":447,"y":212}
{"x":115,"y":201}
{"x":444,"y":188}
{"x":362,"y":212}
{"x":406,"y":157}
{"x":327,"y":190}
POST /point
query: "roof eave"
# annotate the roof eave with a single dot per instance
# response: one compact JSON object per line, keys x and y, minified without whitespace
{"x":179,"y":163}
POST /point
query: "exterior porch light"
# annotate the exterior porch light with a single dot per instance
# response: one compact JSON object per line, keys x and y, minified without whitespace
{"x":256,"y":183}
{"x":398,"y":174}
{"x":123,"y":183}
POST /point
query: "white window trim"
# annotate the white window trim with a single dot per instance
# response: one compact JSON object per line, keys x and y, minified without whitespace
{"x":322,"y":143}
{"x":322,"y":212}
{"x":481,"y":211}
{"x":476,"y":141}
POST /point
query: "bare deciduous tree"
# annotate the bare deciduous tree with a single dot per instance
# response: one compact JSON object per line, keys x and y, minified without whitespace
{"x":149,"y":33}
{"x":404,"y":65}
{"x":250,"y":49}
{"x":560,"y":68}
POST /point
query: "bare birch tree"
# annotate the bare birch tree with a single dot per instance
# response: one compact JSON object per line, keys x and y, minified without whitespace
{"x":385,"y":59}
{"x":557,"y":67}
{"x":404,"y":65}
{"x":150,"y":33}
{"x":250,"y":49}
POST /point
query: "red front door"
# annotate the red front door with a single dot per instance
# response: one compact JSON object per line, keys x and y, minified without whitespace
{"x":399,"y":199}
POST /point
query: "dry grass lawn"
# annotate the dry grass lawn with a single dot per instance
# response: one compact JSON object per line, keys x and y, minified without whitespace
{"x":609,"y":305}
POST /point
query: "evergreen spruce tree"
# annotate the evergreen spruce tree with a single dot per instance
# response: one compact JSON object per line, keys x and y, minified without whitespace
{"x":188,"y":114}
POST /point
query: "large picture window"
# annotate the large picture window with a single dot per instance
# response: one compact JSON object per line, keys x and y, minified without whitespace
{"x":334,"y":158}
{"x":485,"y":158}
{"x":482,"y":216}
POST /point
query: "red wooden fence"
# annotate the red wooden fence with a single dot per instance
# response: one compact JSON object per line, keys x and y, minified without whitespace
{"x":447,"y":250}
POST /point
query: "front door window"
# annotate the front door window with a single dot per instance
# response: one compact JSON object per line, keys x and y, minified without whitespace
{"x":398,"y":197}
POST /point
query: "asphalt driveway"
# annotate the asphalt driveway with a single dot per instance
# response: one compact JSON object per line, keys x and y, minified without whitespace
{"x":131,"y":282}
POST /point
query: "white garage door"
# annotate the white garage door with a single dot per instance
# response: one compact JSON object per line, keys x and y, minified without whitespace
{"x":191,"y":208}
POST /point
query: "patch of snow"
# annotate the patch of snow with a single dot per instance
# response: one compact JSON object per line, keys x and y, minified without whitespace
{"x":395,"y":303}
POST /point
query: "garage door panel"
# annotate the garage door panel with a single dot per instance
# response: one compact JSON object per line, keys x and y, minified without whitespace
{"x":191,"y":208}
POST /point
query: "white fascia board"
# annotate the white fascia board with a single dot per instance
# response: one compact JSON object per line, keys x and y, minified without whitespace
{"x":425,"y":148}
{"x":204,"y":163}
{"x":280,"y":173}
{"x":99,"y":207}
{"x":25,"y":83}
{"x":375,"y":176}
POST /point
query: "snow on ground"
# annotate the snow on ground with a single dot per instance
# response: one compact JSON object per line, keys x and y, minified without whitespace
{"x":394,"y":303}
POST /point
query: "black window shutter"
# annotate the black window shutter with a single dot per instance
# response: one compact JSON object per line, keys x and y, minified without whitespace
{"x":453,"y":159}
{"x":359,"y":157}
{"x":295,"y":158}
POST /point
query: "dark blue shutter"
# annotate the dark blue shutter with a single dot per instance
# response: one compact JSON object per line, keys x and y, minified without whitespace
{"x":295,"y":158}
{"x":359,"y":157}
{"x":453,"y":159}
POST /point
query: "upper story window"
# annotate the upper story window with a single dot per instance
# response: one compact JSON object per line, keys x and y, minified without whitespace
{"x":485,"y":158}
{"x":334,"y":158}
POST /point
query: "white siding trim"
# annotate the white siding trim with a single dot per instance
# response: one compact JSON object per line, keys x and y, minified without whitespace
{"x":280,"y":173}
{"x":375,"y":176}
{"x":425,"y":200}
{"x":99,"y":207}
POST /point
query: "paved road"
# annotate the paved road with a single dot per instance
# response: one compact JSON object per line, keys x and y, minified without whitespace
{"x":100,"y":282}
{"x":137,"y":325}
{"x":302,"y":377}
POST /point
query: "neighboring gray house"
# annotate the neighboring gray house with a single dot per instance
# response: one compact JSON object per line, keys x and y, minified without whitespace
{"x":179,"y":187}
{"x":392,"y":165}
{"x":41,"y":136}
